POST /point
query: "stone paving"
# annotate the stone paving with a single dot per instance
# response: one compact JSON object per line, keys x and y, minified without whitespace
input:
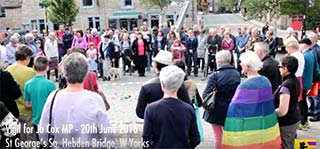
{"x":129,"y":126}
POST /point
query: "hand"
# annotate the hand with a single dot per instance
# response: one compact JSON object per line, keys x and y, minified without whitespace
{"x":113,"y":60}
{"x":190,"y":51}
{"x":159,"y":49}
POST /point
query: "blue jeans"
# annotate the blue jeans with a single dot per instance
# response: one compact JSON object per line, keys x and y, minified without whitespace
{"x":192,"y":57}
{"x":149,"y":61}
{"x":314,"y":105}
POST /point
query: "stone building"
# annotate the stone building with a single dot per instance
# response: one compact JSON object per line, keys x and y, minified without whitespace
{"x":23,"y":15}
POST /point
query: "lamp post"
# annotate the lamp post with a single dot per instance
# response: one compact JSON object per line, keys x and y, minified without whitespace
{"x":46,"y":19}
{"x":303,"y":31}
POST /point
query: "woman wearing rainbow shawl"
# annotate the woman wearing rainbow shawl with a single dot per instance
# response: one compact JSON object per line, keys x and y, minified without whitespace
{"x":251,"y":120}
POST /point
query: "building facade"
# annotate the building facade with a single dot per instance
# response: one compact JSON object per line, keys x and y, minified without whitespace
{"x":100,"y":14}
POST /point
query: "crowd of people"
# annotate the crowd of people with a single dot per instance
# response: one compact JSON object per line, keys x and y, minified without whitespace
{"x":263,"y":111}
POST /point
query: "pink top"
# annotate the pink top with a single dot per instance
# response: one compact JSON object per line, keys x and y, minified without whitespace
{"x":140,"y":48}
{"x":80,"y":42}
{"x":178,"y":51}
{"x":227,"y":45}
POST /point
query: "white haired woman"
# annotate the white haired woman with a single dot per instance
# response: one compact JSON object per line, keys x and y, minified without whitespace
{"x":32,"y":44}
{"x":169,"y":122}
{"x":75,"y":106}
{"x":251,"y":120}
{"x":52,"y":52}
{"x":225,"y":80}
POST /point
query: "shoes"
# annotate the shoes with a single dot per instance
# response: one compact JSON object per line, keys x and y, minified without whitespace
{"x":99,"y":76}
{"x":104,"y":79}
{"x":57,"y":79}
{"x":196,"y":75}
{"x":304,"y":127}
{"x":141,"y":75}
{"x":124,"y":74}
{"x":315,"y":118}
{"x":130,"y":74}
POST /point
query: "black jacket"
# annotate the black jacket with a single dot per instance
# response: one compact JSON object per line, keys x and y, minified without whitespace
{"x":67,"y":40}
{"x":226,"y":80}
{"x":135,"y":47}
{"x":10,"y":91}
{"x":216,"y":42}
{"x":272,"y":45}
{"x":111,"y":48}
{"x":270,"y":69}
{"x":151,"y":92}
{"x":293,"y":116}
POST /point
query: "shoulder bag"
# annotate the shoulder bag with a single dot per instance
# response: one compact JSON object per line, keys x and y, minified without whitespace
{"x":50,"y":136}
{"x":209,"y":100}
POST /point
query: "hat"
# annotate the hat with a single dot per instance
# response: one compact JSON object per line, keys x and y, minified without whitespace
{"x":14,"y":39}
{"x":164,"y":57}
{"x":67,"y":29}
{"x":306,"y":41}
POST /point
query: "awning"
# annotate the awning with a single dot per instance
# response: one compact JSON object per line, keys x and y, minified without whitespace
{"x":125,"y":15}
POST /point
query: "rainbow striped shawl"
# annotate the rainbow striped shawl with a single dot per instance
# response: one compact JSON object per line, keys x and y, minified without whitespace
{"x":251,"y":120}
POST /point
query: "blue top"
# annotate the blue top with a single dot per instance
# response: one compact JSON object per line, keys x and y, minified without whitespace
{"x":170,"y":123}
{"x":10,"y":51}
{"x":307,"y":76}
{"x":242,"y":40}
{"x":192,"y":43}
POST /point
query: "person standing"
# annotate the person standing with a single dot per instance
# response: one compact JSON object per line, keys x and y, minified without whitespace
{"x":192,"y":54}
{"x":307,"y":79}
{"x":52,"y":52}
{"x":169,"y":122}
{"x":37,"y":90}
{"x":67,"y":40}
{"x":75,"y":106}
{"x":178,"y":50}
{"x":251,"y":120}
{"x":80,"y":41}
{"x":265,"y":29}
{"x":286,"y":102}
{"x":171,"y":38}
{"x":227,"y":43}
{"x":140,"y":49}
{"x":202,"y":39}
{"x":272,"y":43}
{"x":160,"y":42}
{"x":225,"y":80}
{"x":214,"y":42}
{"x":314,"y":109}
{"x":151,"y":90}
{"x":127,"y":54}
{"x":32,"y":44}
{"x":21,"y":73}
{"x":270,"y":65}
{"x":10,"y":50}
{"x":292,"y":47}
{"x":107,"y":49}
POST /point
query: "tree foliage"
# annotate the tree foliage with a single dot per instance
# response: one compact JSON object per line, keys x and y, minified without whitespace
{"x":259,"y":9}
{"x":160,"y":4}
{"x":62,"y":12}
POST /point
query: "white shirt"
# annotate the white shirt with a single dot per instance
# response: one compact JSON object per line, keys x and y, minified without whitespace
{"x":301,"y":62}
{"x":51,"y":48}
{"x":79,"y":110}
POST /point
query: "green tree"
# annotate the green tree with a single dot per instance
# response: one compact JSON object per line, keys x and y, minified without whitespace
{"x":158,"y":4}
{"x":63,"y":12}
{"x":231,"y":4}
{"x":259,"y":8}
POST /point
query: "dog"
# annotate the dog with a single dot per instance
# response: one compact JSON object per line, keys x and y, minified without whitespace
{"x":115,"y":73}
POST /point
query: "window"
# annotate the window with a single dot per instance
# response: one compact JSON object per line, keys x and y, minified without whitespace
{"x":94,"y":22}
{"x":38,"y":24}
{"x":127,"y":4}
{"x":2,"y":12}
{"x":87,"y":3}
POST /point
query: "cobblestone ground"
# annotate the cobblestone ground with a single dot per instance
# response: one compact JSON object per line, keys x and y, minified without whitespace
{"x":122,"y":95}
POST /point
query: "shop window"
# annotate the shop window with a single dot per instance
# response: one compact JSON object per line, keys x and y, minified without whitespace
{"x":94,"y":22}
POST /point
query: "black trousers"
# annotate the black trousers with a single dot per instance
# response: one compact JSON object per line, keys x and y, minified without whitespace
{"x":200,"y":63}
{"x":304,"y":107}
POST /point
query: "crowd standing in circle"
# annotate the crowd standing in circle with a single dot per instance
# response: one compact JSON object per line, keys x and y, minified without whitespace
{"x":281,"y":89}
